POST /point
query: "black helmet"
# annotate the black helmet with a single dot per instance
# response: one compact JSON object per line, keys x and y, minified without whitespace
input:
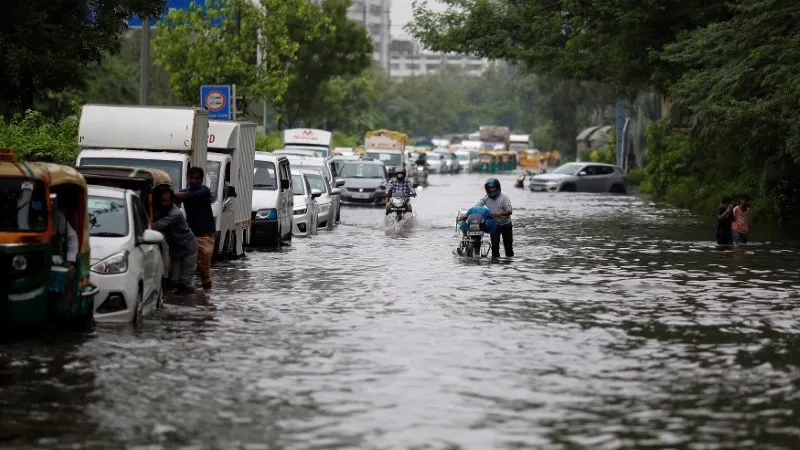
{"x":400,"y":171}
{"x":492,"y":183}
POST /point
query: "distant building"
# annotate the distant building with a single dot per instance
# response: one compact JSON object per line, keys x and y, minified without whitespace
{"x":375,"y":15}
{"x":407,"y":59}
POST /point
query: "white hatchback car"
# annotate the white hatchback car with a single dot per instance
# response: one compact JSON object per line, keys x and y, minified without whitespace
{"x":306,"y":211}
{"x":126,"y":263}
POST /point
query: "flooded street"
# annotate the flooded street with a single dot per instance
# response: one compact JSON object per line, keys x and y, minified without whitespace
{"x":619,"y":324}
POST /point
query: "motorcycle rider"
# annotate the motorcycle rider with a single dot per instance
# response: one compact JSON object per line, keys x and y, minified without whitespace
{"x":399,"y":187}
{"x":500,"y":206}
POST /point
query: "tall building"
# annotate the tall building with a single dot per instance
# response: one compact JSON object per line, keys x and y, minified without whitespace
{"x":375,"y":16}
{"x":406,"y":59}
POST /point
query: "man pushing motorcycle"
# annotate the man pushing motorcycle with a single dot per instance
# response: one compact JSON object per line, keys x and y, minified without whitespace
{"x":500,"y":207}
{"x":399,"y":187}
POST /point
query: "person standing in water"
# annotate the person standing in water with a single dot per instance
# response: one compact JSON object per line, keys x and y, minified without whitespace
{"x":725,"y":222}
{"x":500,"y":206}
{"x":741,"y":221}
{"x":196,"y":200}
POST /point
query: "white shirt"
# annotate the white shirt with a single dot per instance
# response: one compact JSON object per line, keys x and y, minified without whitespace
{"x":63,"y":227}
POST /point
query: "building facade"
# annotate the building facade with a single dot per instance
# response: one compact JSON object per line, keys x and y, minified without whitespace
{"x":406,"y":59}
{"x":375,"y":16}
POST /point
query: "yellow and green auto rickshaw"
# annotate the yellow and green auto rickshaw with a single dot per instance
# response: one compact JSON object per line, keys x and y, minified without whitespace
{"x":529,"y":159}
{"x":44,"y":225}
{"x":142,"y":181}
{"x":508,"y":160}
{"x":488,"y":161}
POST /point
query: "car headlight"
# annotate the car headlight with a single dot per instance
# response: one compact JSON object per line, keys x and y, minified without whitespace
{"x":267,"y":214}
{"x":114,"y":264}
{"x":300,"y":212}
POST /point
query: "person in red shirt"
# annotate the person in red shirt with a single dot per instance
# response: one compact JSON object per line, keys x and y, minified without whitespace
{"x":741,"y":221}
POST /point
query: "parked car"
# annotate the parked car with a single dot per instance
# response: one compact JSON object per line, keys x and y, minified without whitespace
{"x":582,"y":177}
{"x":364,"y":182}
{"x":445,"y":162}
{"x":126,"y":263}
{"x":271,"y":220}
{"x":306,"y":211}
{"x":464,"y":160}
{"x":321,"y":164}
{"x":325,"y":200}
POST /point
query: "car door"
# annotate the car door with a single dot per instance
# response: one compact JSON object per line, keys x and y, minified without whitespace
{"x":286,"y":198}
{"x":145,"y":256}
{"x":601,"y":178}
{"x":586,"y":179}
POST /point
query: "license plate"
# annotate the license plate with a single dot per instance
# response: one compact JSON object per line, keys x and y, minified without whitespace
{"x":476,"y":233}
{"x":538,"y":188}
{"x":360,"y":195}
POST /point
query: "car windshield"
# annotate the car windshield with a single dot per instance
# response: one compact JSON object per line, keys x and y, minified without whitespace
{"x":264,"y":178}
{"x":569,"y":169}
{"x":108,"y":217}
{"x":297,"y":185}
{"x":316,"y":182}
{"x":212,"y":170}
{"x":355,"y":170}
{"x":173,"y":168}
{"x":23,"y":206}
{"x":390,"y":159}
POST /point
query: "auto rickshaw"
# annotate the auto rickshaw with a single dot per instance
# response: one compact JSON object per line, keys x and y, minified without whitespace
{"x":554,"y":158}
{"x":529,"y":159}
{"x":142,"y":181}
{"x":508,"y":160}
{"x":488,"y":161}
{"x":39,"y":287}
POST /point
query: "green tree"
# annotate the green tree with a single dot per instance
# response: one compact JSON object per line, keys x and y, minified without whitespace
{"x":617,"y":42}
{"x":221,"y":42}
{"x":47,"y":45}
{"x":342,"y":49}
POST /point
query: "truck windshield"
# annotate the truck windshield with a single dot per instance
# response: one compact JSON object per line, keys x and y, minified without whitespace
{"x":173,"y":168}
{"x":264,"y":178}
{"x":23,"y":206}
{"x":108,"y":217}
{"x":212,"y":170}
{"x":390,"y":159}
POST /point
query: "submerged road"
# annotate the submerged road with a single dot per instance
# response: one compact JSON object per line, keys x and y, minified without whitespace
{"x":618,"y":325}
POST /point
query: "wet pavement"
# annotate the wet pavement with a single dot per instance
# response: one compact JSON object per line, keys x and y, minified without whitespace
{"x":619,"y":324}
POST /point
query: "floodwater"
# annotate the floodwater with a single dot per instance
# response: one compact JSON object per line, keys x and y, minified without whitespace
{"x":618,"y":325}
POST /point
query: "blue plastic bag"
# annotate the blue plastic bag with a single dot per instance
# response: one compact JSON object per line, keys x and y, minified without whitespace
{"x":488,"y":222}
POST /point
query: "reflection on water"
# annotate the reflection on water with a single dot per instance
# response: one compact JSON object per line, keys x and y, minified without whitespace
{"x":620,"y":324}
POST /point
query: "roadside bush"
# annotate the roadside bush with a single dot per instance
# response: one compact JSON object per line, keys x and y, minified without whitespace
{"x":269,"y":142}
{"x":33,"y":137}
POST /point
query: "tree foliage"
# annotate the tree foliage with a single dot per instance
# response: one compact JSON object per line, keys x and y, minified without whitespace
{"x":234,"y":41}
{"x":339,"y":52}
{"x":47,"y":45}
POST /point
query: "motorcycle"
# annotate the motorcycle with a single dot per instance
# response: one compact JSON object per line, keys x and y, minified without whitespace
{"x":420,"y":176}
{"x":398,"y":207}
{"x":473,"y":226}
{"x":521,"y":179}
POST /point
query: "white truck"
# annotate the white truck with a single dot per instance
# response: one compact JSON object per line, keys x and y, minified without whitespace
{"x":318,"y":141}
{"x":170,"y":139}
{"x":519,"y":142}
{"x":230,"y":166}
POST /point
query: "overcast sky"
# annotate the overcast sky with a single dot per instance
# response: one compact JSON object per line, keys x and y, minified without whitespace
{"x":401,"y":14}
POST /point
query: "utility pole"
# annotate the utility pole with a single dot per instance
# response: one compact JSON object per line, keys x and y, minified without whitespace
{"x":144,"y":62}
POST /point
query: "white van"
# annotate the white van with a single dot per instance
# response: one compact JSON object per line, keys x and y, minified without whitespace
{"x":273,"y":201}
{"x":231,"y":155}
{"x":318,"y":141}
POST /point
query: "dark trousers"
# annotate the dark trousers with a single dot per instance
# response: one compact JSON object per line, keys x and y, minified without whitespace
{"x":508,"y":240}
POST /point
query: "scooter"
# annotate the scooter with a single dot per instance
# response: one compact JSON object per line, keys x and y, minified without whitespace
{"x":420,"y":177}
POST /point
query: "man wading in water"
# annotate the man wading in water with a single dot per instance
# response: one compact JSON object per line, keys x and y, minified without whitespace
{"x":196,"y":200}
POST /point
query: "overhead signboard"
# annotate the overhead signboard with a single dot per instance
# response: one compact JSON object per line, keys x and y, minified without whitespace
{"x":136,"y":22}
{"x":216,"y":98}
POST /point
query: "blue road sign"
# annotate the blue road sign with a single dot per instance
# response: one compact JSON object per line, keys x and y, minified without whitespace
{"x":136,"y":22}
{"x":216,"y":98}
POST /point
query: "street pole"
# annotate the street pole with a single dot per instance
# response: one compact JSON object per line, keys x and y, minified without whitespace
{"x":144,"y":62}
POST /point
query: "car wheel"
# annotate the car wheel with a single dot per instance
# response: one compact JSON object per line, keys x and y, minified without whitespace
{"x":618,"y":189}
{"x":567,"y":187}
{"x":138,"y":313}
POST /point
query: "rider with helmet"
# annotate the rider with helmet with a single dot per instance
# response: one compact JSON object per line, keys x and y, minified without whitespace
{"x":399,"y":187}
{"x":500,"y":206}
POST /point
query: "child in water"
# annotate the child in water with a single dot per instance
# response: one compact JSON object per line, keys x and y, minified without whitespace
{"x":741,"y":221}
